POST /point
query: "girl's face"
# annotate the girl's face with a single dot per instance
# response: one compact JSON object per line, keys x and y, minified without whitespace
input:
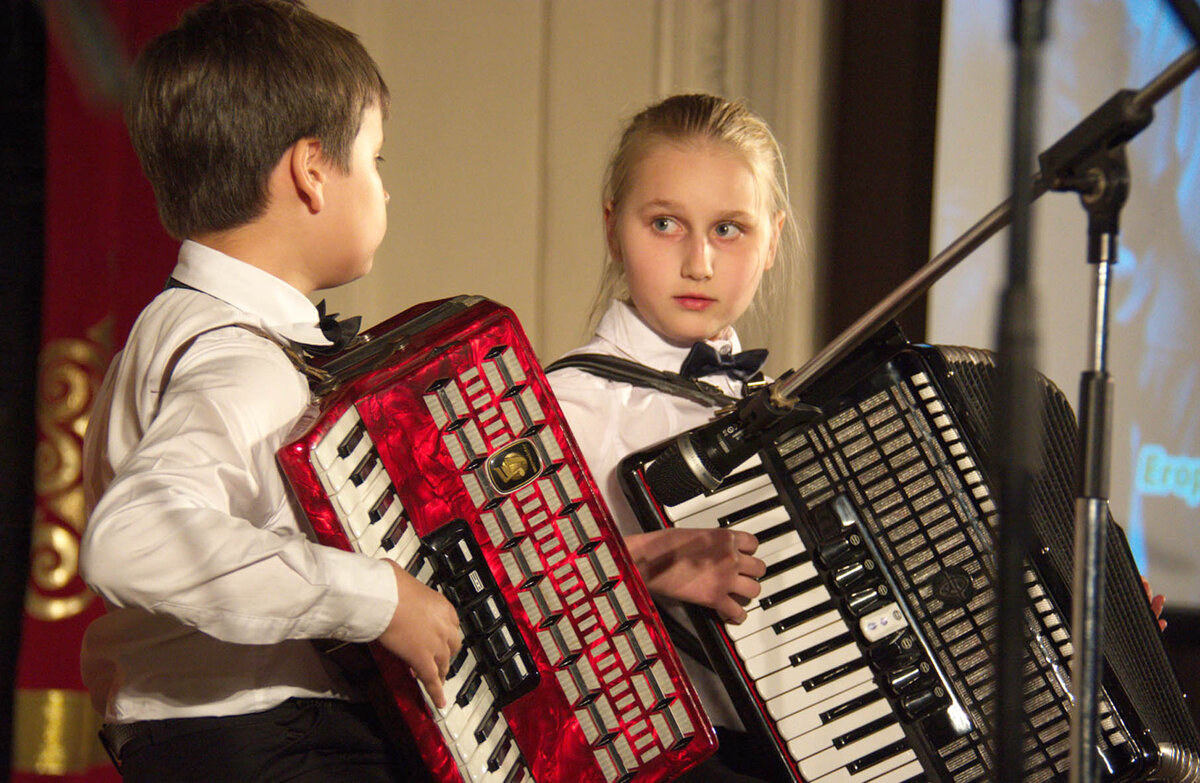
{"x":692,"y":238}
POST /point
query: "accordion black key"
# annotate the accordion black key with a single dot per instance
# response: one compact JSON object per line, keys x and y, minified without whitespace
{"x":868,"y":654}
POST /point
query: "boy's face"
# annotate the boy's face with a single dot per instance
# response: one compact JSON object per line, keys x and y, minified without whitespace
{"x":693,"y":240}
{"x":356,"y":206}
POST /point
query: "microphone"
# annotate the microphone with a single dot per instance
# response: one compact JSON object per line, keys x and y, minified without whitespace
{"x":700,"y":459}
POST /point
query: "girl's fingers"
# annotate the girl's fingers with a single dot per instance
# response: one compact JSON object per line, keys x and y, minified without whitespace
{"x":751,"y":567}
{"x":745,"y":542}
{"x":730,"y":611}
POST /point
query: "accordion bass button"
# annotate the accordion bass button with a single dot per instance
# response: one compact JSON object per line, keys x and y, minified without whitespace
{"x":908,"y":677}
{"x":860,"y":602}
{"x":847,"y":575}
{"x":827,"y":524}
{"x":895,"y":650}
{"x":839,"y":549}
{"x":923,"y":703}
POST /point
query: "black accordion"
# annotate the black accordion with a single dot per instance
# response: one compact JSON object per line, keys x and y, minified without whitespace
{"x":868,"y":654}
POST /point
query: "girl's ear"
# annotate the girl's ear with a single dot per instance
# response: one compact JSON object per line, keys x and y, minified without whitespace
{"x":778,"y":222}
{"x":307,"y":167}
{"x":610,"y":231}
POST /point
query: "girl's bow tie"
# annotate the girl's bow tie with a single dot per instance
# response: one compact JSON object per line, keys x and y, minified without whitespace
{"x":704,"y":360}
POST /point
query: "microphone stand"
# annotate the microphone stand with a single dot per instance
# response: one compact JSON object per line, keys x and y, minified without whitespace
{"x":1188,"y":12}
{"x":1103,"y":200}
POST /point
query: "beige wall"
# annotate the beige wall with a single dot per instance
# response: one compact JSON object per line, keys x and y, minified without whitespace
{"x":503,"y":112}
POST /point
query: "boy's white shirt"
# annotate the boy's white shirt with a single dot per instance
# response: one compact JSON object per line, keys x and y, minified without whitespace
{"x":612,"y":419}
{"x":213,"y":591}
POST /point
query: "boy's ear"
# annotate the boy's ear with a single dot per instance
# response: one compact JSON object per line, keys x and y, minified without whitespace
{"x":307,"y":167}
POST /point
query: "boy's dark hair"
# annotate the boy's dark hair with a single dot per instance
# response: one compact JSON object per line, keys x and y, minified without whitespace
{"x":216,"y":102}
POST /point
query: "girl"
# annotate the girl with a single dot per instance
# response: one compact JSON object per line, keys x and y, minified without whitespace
{"x":695,"y":211}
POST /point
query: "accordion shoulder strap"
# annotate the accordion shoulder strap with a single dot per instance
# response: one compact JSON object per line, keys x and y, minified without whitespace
{"x":290,"y":350}
{"x":295,"y":352}
{"x":614,"y":368}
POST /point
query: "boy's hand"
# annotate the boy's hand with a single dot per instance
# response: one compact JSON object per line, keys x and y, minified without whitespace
{"x":713,"y":568}
{"x":424,"y":633}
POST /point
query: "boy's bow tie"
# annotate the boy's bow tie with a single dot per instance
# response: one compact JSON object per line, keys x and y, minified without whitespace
{"x":337,"y":331}
{"x":704,"y":360}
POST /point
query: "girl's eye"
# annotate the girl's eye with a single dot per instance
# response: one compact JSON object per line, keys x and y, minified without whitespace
{"x":662,"y":224}
{"x":728,"y":230}
{"x":378,"y":161}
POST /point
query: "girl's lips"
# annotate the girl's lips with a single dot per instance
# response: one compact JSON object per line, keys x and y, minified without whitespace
{"x":693,"y":302}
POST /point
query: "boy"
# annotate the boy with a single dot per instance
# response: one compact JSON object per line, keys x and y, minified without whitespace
{"x":259,"y":126}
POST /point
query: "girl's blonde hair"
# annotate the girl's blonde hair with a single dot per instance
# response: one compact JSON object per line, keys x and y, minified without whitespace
{"x":698,"y":117}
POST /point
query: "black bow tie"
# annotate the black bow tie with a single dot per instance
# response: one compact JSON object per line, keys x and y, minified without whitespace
{"x":337,"y":331}
{"x":704,"y":360}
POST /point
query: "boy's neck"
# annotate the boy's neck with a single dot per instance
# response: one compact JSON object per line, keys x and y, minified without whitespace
{"x":253,"y":244}
{"x":280,"y":241}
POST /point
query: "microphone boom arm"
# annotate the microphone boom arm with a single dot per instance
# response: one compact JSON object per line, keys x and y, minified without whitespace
{"x":1108,"y":126}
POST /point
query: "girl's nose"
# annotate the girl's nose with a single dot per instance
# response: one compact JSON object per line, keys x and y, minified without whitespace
{"x":697,"y":264}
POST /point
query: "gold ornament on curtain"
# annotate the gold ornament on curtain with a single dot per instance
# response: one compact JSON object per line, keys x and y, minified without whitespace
{"x":54,"y":732}
{"x":69,"y":374}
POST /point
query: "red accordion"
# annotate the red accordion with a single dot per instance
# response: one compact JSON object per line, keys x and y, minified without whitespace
{"x":438,"y":444}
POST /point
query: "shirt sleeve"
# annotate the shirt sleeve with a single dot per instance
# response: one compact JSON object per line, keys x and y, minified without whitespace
{"x":198,"y":524}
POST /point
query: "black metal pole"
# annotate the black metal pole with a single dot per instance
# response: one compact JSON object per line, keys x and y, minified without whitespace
{"x":1018,"y":412}
{"x":22,"y":102}
{"x":1101,"y":176}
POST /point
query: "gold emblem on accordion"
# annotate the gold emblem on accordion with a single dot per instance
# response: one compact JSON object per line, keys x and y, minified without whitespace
{"x":514,"y":466}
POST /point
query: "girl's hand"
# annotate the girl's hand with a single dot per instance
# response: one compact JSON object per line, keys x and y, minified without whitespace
{"x":713,"y":568}
{"x":424,"y":633}
{"x":1156,"y":604}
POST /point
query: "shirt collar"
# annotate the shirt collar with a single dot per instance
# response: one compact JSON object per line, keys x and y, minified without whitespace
{"x":282,"y":308}
{"x":633,"y":338}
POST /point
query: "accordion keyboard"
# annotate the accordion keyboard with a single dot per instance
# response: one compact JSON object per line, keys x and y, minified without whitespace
{"x":798,"y":652}
{"x":493,"y":666}
{"x":867,"y":655}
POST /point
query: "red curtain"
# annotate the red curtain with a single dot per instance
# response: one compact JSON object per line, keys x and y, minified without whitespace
{"x":105,"y":258}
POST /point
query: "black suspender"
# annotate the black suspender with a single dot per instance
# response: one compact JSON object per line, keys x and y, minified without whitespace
{"x":614,"y":368}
